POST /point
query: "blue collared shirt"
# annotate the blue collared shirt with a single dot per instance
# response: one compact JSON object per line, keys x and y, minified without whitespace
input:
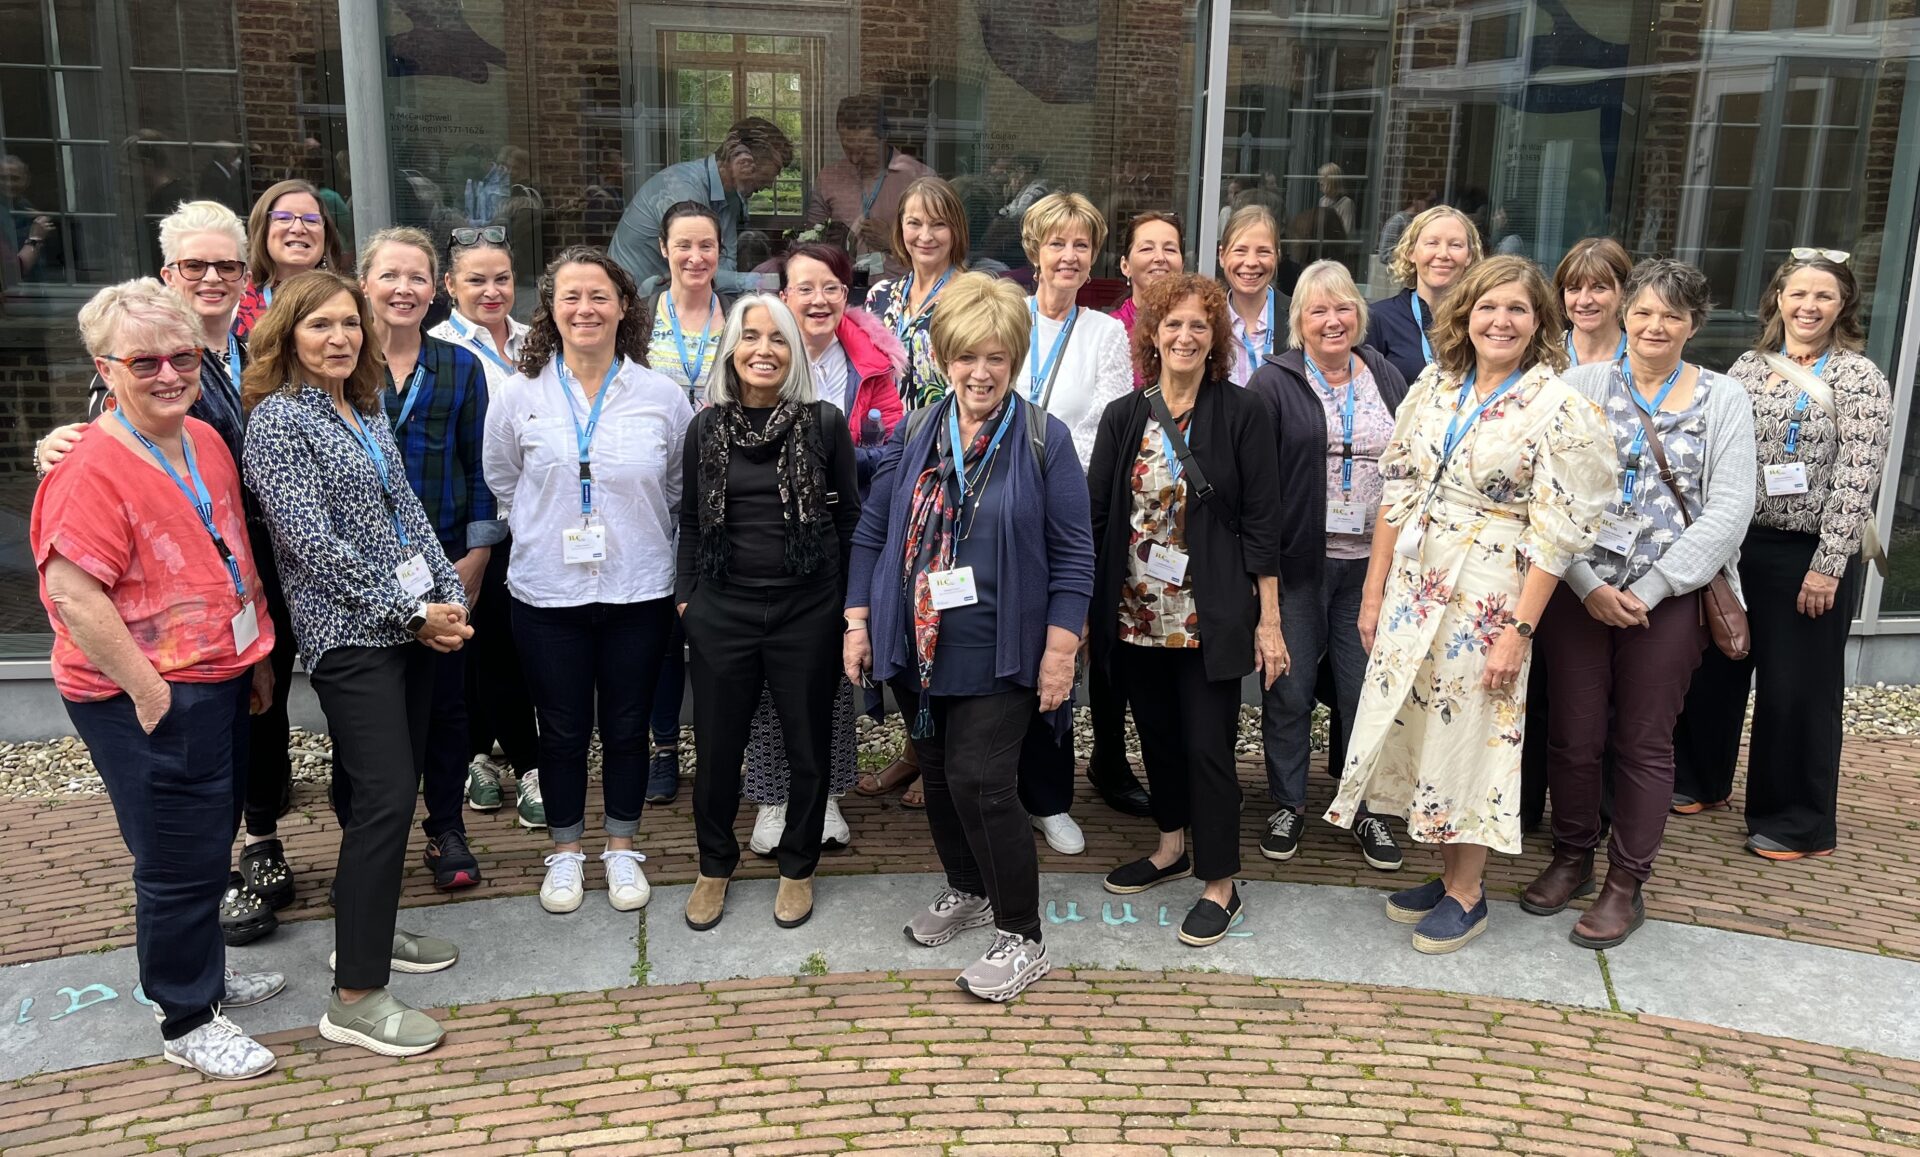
{"x":636,"y":241}
{"x":441,"y":443}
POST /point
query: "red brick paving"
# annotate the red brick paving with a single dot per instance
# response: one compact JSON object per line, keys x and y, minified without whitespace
{"x":70,"y":890}
{"x":1087,"y":1064}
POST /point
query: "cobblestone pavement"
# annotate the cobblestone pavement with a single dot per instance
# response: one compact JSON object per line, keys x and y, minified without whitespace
{"x":1086,"y":1064}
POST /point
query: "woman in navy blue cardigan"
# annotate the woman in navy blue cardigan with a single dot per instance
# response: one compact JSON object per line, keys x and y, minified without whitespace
{"x":968,"y":588}
{"x":1438,"y":246}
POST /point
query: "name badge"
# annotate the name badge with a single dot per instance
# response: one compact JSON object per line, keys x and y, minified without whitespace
{"x":415,"y":578}
{"x":246,"y":629}
{"x":1408,"y":544}
{"x":1786,"y":478}
{"x":1618,"y":532}
{"x":952,"y":588}
{"x":1166,"y":564}
{"x":584,"y":544}
{"x":1346,"y":518}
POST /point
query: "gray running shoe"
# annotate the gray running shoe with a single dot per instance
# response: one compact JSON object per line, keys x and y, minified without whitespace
{"x":951,"y":913}
{"x":1012,"y":963}
{"x":379,"y":1022}
{"x":220,"y":1050}
{"x":415,"y":953}
{"x":245,"y":988}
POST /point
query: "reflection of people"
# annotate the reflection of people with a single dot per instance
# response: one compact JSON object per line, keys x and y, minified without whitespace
{"x":161,"y":637}
{"x":1494,"y":482}
{"x":225,"y":177}
{"x":1822,"y":418}
{"x":1332,"y":198}
{"x":1397,"y":224}
{"x":748,"y":160}
{"x":161,"y":187}
{"x":33,"y":232}
{"x":862,"y":192}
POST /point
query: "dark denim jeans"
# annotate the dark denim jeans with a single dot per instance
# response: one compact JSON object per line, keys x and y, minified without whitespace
{"x":1316,"y":621}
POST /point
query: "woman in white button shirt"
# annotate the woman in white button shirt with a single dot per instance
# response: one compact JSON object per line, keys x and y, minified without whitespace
{"x":582,"y":452}
{"x":1078,"y":360}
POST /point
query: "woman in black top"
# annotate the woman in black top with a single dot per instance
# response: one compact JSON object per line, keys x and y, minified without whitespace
{"x":766,"y":522}
{"x":1187,"y":558}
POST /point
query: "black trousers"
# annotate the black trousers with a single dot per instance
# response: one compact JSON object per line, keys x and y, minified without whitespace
{"x":741,"y":638}
{"x":970,"y":768}
{"x":498,"y":705}
{"x":1793,"y":760}
{"x":176,"y":795}
{"x":269,"y":767}
{"x":444,"y":783}
{"x":1109,"y":711}
{"x":1046,"y":770}
{"x":377,"y":701}
{"x":1187,"y":727}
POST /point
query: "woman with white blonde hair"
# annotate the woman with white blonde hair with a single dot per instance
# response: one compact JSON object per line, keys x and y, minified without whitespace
{"x":1436,"y":250}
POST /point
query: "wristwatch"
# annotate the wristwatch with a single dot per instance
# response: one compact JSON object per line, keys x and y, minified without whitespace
{"x":1523,"y":629}
{"x":417,"y":620}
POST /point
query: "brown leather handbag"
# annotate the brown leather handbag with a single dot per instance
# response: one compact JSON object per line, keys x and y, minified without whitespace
{"x":1720,"y":609}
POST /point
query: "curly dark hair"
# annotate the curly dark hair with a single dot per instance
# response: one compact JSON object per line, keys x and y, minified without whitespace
{"x":1846,"y":333}
{"x":1159,"y":300}
{"x":629,"y":339}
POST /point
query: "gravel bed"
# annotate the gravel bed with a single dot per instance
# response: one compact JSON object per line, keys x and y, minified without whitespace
{"x":60,"y":767}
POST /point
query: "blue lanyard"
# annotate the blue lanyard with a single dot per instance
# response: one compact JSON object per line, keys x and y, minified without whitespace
{"x":1575,"y":355}
{"x":907,"y":316}
{"x":1256,"y":353}
{"x":873,"y":195}
{"x":1039,"y":372}
{"x":266,"y":294}
{"x":699,"y":363}
{"x":412,"y":394}
{"x":1456,"y":430}
{"x":481,"y":343}
{"x":1652,"y":409}
{"x":233,"y":361}
{"x":371,"y":446}
{"x":1420,"y":323}
{"x":960,"y":459}
{"x":1800,"y":403}
{"x":1346,"y":421}
{"x":196,"y":494}
{"x":1174,"y":466}
{"x":583,"y":436}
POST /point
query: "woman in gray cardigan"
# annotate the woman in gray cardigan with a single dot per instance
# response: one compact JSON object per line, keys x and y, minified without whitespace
{"x":1624,"y":634}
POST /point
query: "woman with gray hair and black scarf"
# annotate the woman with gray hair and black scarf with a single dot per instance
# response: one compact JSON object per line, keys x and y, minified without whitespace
{"x":770,"y":500}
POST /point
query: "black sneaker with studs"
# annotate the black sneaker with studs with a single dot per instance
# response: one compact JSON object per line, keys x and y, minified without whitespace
{"x":1376,"y":844}
{"x":265,"y":867}
{"x":244,"y":916}
{"x":1282,"y":840}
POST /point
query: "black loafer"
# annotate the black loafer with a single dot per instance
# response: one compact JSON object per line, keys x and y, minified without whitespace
{"x":1207,"y":922}
{"x":1141,"y":874}
{"x":1120,"y":789}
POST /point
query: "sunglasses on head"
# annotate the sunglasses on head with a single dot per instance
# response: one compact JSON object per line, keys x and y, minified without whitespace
{"x":491,"y":234}
{"x":1809,"y":253}
{"x":146,"y":367}
{"x":196,"y":270}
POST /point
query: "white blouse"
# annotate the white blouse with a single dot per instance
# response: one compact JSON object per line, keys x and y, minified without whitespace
{"x":532,"y":461}
{"x":474,"y":338}
{"x":1095,"y":368}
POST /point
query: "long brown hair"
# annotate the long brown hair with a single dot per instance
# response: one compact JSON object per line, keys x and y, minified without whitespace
{"x":629,"y":339}
{"x":1159,"y":300}
{"x":1452,"y":346}
{"x":333,"y":255}
{"x":1846,"y":333}
{"x":276,"y":358}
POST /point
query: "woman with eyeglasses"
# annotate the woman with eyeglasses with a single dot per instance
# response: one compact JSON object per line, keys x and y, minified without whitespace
{"x":1822,"y":418}
{"x":204,"y":247}
{"x":479,"y":279}
{"x":288,"y":233}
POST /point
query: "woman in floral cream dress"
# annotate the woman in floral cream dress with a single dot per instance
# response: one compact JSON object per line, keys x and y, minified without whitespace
{"x":1494,"y":482}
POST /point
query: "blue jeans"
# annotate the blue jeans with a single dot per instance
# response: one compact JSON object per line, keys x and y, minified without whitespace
{"x":177,"y":796}
{"x":1316,"y":620}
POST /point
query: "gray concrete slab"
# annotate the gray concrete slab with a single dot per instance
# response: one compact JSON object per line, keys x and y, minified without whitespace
{"x":83,"y":1010}
{"x":1778,"y":987}
{"x":1297,"y":931}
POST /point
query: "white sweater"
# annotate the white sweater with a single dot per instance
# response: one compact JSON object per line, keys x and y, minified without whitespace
{"x":1095,"y":368}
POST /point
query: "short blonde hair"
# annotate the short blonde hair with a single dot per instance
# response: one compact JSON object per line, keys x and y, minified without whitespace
{"x":193,"y":218}
{"x":1324,"y":279}
{"x":1058,"y":214}
{"x":978,"y":308}
{"x":1403,"y":270}
{"x":399,"y":235}
{"x":1452,"y":344}
{"x":141,"y":308}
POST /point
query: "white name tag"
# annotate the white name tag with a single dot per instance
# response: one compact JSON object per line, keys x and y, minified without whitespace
{"x":246,"y":629}
{"x":1411,"y":532}
{"x":1786,"y":478}
{"x":582,"y":545}
{"x":1166,"y":564}
{"x":415,"y":578}
{"x":1618,"y":532}
{"x":952,"y":588}
{"x":1346,"y":518}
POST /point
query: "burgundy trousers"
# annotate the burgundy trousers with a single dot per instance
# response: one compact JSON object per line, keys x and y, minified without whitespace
{"x":1617,"y":688}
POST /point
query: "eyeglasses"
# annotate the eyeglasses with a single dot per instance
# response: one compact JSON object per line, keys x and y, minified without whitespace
{"x":282,"y":217}
{"x":194,"y":270}
{"x":146,"y":367}
{"x":491,"y":234}
{"x":1808,"y":253}
{"x":831,"y":291}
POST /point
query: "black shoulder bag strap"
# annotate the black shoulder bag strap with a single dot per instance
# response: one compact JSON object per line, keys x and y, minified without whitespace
{"x":1197,"y":483}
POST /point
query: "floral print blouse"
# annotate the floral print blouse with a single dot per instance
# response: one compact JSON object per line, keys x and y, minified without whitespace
{"x":922,"y":381}
{"x":1155,"y":613}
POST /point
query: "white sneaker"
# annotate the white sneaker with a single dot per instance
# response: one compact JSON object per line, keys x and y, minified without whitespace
{"x":245,"y":988}
{"x":627,"y":887}
{"x":1063,"y":835}
{"x":566,"y":883}
{"x":835,"y":833}
{"x":220,"y":1050}
{"x":768,"y":827}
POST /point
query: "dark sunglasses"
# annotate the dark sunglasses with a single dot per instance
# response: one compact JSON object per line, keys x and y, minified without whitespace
{"x":491,"y":234}
{"x":146,"y":367}
{"x":195,"y":270}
